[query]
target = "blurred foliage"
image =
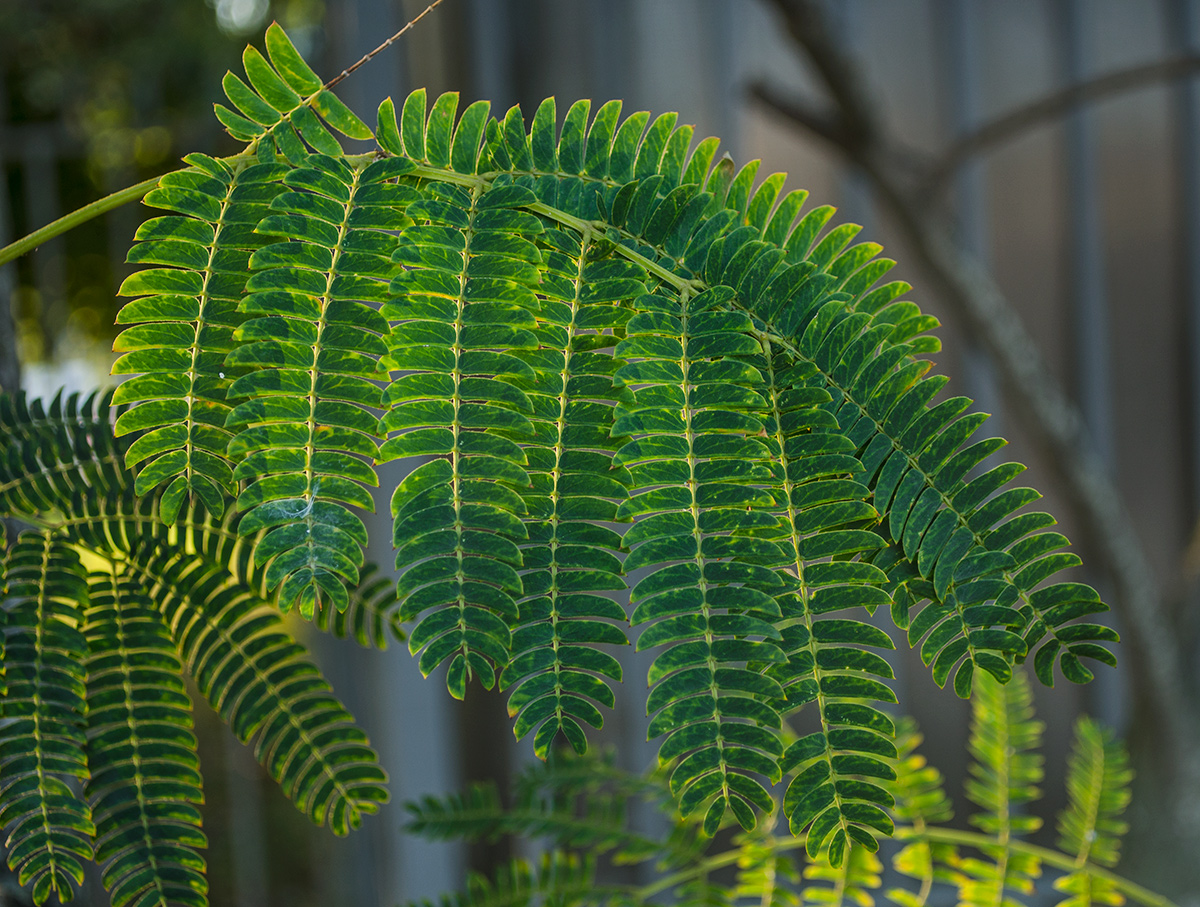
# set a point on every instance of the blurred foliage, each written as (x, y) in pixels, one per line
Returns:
(104, 93)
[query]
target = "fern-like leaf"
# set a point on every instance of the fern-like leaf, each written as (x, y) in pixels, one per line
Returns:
(464, 304)
(283, 107)
(144, 774)
(259, 680)
(708, 603)
(921, 801)
(1005, 771)
(1098, 777)
(764, 875)
(42, 757)
(835, 796)
(53, 454)
(556, 671)
(313, 346)
(183, 327)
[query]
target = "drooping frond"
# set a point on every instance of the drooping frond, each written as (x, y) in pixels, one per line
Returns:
(1005, 771)
(183, 322)
(1098, 777)
(464, 305)
(921, 801)
(49, 826)
(697, 467)
(143, 772)
(600, 825)
(835, 795)
(556, 673)
(313, 347)
(576, 328)
(258, 678)
(138, 767)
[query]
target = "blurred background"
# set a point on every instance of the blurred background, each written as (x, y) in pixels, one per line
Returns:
(1034, 166)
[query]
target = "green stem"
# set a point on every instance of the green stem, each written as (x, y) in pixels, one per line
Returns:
(932, 834)
(686, 875)
(75, 218)
(1050, 857)
(102, 206)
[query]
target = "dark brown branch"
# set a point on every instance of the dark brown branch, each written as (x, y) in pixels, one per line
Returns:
(1051, 108)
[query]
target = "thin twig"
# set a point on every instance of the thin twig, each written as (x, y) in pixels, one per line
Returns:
(135, 192)
(1052, 107)
(384, 46)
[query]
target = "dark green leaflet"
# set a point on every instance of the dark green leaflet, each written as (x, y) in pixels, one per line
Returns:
(184, 322)
(313, 346)
(42, 712)
(63, 465)
(277, 106)
(835, 795)
(144, 774)
(463, 305)
(260, 681)
(696, 465)
(556, 669)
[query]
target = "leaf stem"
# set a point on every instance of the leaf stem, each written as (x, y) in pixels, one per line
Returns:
(75, 218)
(1045, 854)
(103, 205)
(668, 882)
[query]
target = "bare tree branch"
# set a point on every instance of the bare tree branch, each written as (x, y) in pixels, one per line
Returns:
(1054, 421)
(1049, 109)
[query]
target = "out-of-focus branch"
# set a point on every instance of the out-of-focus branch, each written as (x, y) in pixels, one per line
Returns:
(1053, 419)
(853, 124)
(1049, 109)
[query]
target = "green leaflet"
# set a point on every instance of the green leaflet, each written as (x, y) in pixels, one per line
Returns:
(835, 795)
(304, 737)
(456, 309)
(141, 749)
(852, 878)
(1005, 773)
(49, 827)
(920, 801)
(1098, 777)
(555, 669)
(699, 690)
(188, 313)
(314, 348)
(276, 107)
